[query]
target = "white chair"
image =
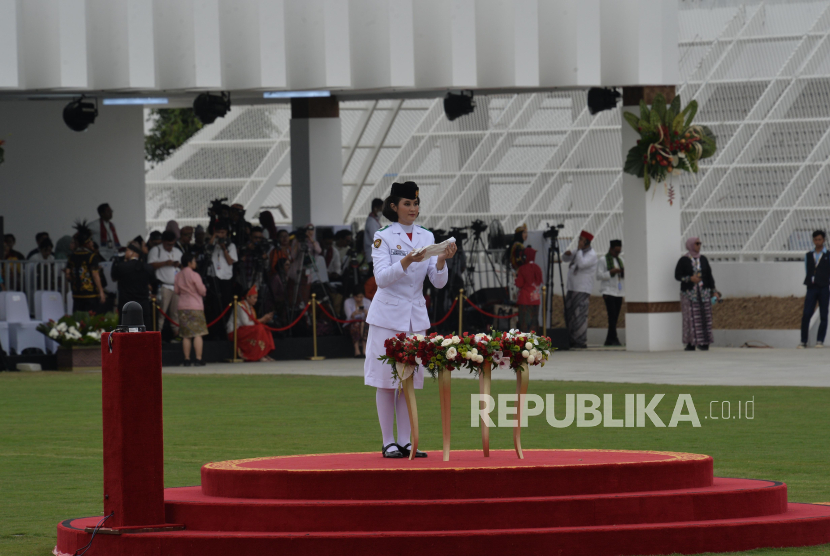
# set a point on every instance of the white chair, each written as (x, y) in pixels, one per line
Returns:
(49, 306)
(4, 336)
(14, 310)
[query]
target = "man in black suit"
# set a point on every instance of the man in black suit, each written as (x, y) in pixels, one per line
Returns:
(817, 264)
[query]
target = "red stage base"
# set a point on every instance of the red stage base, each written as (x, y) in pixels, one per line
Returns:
(563, 502)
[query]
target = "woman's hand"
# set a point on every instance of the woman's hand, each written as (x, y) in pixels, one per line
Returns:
(695, 279)
(449, 253)
(411, 258)
(266, 317)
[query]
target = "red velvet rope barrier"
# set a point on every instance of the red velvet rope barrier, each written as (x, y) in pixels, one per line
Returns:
(305, 310)
(174, 323)
(483, 312)
(454, 303)
(335, 319)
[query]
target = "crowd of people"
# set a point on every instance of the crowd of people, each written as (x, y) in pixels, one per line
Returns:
(194, 273)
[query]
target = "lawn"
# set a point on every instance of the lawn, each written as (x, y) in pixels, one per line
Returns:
(50, 445)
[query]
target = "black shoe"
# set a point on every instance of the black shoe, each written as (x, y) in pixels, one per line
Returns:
(198, 363)
(406, 451)
(689, 347)
(393, 455)
(358, 356)
(186, 363)
(703, 347)
(579, 346)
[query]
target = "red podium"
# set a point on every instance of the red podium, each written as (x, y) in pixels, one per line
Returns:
(133, 434)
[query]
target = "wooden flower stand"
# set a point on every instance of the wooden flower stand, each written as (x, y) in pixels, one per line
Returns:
(522, 377)
(446, 404)
(484, 390)
(408, 387)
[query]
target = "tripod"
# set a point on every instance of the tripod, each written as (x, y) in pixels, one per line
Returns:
(478, 243)
(554, 259)
(308, 260)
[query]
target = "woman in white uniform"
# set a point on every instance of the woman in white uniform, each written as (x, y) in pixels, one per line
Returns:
(399, 306)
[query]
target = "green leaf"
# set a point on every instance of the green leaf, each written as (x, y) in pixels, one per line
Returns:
(659, 106)
(675, 105)
(645, 113)
(655, 119)
(708, 141)
(677, 124)
(647, 181)
(646, 127)
(632, 120)
(690, 111)
(634, 162)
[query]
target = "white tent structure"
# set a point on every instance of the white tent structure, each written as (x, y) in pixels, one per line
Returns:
(760, 71)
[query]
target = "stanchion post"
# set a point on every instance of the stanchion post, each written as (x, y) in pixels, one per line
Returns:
(460, 311)
(235, 358)
(544, 311)
(155, 318)
(315, 357)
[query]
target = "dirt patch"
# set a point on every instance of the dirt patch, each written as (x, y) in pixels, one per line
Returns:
(742, 313)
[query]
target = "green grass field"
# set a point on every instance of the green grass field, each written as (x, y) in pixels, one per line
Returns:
(50, 444)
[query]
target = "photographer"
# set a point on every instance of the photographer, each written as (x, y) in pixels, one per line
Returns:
(356, 307)
(253, 265)
(303, 249)
(222, 255)
(134, 278)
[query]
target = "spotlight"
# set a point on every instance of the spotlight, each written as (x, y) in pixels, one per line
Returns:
(602, 99)
(456, 106)
(79, 113)
(208, 107)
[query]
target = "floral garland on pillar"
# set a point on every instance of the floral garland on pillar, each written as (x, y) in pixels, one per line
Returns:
(669, 143)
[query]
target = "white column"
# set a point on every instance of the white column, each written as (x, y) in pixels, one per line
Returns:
(651, 245)
(316, 162)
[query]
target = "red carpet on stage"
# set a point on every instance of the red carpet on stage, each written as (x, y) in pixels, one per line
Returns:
(563, 502)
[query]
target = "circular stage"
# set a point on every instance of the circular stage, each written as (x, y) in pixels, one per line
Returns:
(563, 502)
(542, 473)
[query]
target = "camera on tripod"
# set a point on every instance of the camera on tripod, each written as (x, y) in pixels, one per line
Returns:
(553, 231)
(458, 233)
(478, 227)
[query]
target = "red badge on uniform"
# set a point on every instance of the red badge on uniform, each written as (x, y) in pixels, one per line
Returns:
(377, 243)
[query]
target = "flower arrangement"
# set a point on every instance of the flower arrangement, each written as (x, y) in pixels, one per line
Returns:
(439, 353)
(80, 329)
(401, 351)
(669, 144)
(520, 348)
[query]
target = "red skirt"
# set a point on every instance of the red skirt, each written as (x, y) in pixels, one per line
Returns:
(255, 342)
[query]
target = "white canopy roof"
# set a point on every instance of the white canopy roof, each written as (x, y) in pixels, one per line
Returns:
(351, 47)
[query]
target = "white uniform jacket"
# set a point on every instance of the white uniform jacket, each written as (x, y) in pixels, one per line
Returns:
(581, 270)
(399, 302)
(610, 285)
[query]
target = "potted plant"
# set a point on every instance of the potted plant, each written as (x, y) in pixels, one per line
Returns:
(79, 338)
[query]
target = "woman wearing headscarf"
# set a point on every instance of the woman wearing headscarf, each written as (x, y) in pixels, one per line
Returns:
(697, 292)
(64, 248)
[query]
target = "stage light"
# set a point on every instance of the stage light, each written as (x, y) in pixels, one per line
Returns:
(208, 107)
(456, 106)
(296, 94)
(78, 114)
(602, 99)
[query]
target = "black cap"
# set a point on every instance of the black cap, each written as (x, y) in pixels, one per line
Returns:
(616, 243)
(406, 190)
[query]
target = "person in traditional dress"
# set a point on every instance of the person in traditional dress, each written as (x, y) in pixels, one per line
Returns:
(83, 272)
(697, 290)
(529, 282)
(582, 270)
(190, 290)
(253, 339)
(399, 306)
(611, 273)
(515, 253)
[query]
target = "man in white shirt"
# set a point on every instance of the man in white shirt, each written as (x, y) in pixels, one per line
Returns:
(104, 234)
(166, 259)
(372, 226)
(611, 273)
(223, 255)
(581, 272)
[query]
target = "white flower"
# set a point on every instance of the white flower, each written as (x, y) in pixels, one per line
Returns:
(531, 360)
(54, 333)
(479, 359)
(468, 355)
(534, 353)
(478, 337)
(456, 340)
(62, 326)
(535, 342)
(547, 353)
(525, 354)
(419, 337)
(446, 342)
(451, 353)
(528, 346)
(474, 351)
(438, 338)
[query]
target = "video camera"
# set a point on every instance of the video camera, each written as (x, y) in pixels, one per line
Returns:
(458, 233)
(478, 227)
(553, 231)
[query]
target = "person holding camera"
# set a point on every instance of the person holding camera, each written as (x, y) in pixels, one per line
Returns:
(166, 259)
(223, 255)
(356, 307)
(303, 251)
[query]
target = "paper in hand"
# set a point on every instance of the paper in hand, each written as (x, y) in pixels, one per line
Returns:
(435, 249)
